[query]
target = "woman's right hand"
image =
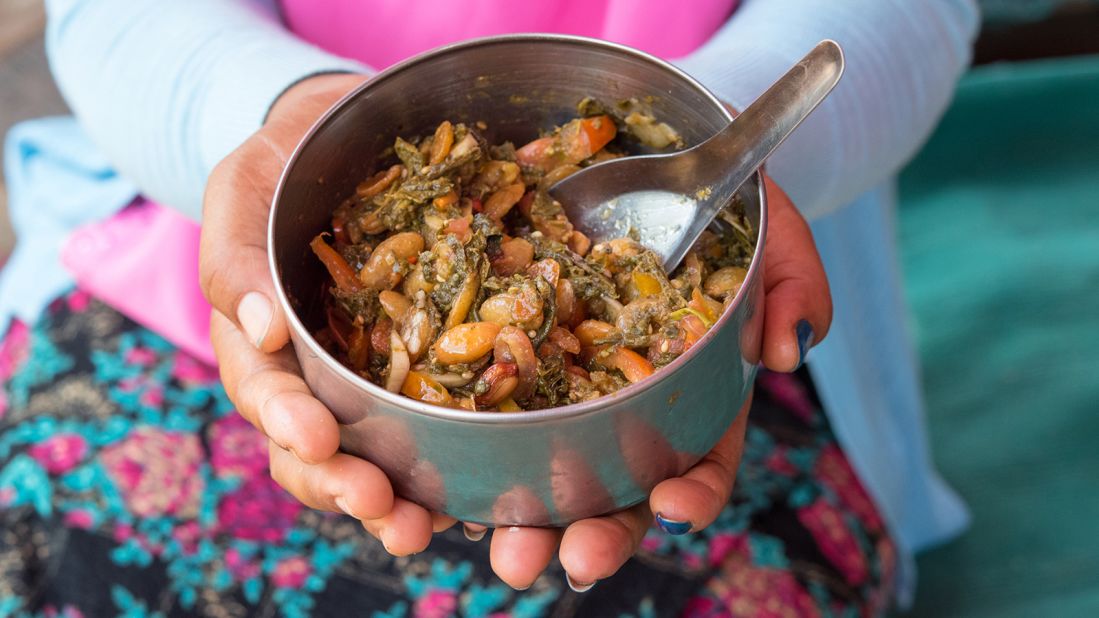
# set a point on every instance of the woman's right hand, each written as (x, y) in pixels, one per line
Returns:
(260, 373)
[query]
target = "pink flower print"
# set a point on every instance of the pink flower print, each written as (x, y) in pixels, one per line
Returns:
(3, 404)
(748, 590)
(835, 472)
(157, 472)
(789, 393)
(153, 397)
(237, 448)
(139, 355)
(292, 572)
(778, 462)
(60, 453)
(259, 510)
(240, 567)
(723, 545)
(79, 519)
(436, 604)
(188, 370)
(703, 607)
(79, 301)
(835, 540)
(187, 535)
(13, 349)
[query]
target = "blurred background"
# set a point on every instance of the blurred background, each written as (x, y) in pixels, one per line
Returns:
(999, 230)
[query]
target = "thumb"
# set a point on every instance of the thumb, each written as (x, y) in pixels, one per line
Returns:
(233, 255)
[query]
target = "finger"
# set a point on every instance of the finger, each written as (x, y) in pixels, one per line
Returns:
(441, 522)
(695, 499)
(474, 532)
(405, 530)
(798, 302)
(342, 483)
(269, 392)
(519, 555)
(594, 549)
(233, 248)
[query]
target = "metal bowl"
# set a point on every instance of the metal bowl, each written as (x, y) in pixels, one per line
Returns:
(540, 468)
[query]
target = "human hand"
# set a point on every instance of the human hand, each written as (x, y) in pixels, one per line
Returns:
(250, 333)
(264, 380)
(798, 313)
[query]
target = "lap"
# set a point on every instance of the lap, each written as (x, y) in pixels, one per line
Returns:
(129, 485)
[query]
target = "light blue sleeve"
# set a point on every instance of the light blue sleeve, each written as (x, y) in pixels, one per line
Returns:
(903, 59)
(167, 88)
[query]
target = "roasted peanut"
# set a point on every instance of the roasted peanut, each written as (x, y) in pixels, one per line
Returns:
(513, 346)
(497, 383)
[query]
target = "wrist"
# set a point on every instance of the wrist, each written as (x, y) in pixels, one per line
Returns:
(328, 86)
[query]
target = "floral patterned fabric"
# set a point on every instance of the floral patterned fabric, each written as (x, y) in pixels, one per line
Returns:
(129, 487)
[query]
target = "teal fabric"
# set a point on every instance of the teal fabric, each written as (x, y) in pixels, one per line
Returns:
(999, 229)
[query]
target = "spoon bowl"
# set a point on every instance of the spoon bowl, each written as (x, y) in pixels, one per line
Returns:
(669, 199)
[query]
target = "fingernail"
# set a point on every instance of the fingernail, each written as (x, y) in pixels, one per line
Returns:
(473, 534)
(805, 341)
(577, 587)
(672, 526)
(341, 503)
(254, 314)
(527, 587)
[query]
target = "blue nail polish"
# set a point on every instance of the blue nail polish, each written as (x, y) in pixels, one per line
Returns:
(671, 526)
(805, 341)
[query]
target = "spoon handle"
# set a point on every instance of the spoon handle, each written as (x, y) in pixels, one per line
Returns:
(730, 157)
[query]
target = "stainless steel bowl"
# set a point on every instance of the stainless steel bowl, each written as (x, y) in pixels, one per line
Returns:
(540, 468)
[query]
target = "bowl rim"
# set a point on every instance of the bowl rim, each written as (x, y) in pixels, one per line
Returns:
(528, 416)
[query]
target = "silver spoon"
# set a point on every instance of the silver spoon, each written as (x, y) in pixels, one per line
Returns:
(669, 199)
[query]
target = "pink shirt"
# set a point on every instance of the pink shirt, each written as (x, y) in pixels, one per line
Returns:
(151, 248)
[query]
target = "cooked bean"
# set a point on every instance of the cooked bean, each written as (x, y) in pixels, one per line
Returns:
(725, 281)
(579, 243)
(465, 343)
(378, 182)
(422, 387)
(417, 331)
(441, 143)
(497, 174)
(499, 203)
(379, 336)
(382, 269)
(522, 308)
(547, 269)
(394, 304)
(415, 282)
(463, 302)
(514, 255)
(566, 302)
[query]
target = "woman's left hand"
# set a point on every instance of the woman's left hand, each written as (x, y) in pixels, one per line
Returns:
(797, 315)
